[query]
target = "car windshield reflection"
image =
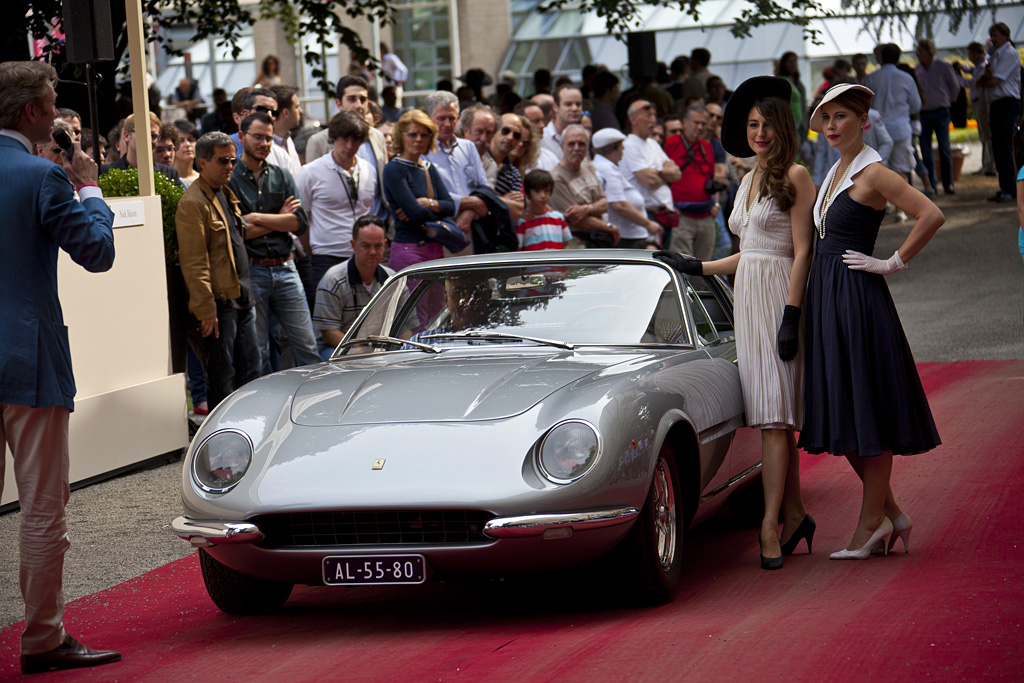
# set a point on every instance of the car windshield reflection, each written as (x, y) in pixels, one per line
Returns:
(560, 304)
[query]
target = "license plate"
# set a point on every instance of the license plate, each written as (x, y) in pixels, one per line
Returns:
(361, 570)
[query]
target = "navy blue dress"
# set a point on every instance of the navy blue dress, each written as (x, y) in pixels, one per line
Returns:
(862, 392)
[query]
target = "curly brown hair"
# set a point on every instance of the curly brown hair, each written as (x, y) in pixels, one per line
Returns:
(775, 180)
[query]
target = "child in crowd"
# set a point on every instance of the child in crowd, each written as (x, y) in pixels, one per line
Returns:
(541, 227)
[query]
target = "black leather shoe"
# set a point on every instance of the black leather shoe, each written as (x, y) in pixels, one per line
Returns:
(1003, 198)
(71, 654)
(949, 190)
(769, 563)
(804, 530)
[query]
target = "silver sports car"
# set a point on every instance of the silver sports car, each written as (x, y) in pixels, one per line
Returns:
(484, 415)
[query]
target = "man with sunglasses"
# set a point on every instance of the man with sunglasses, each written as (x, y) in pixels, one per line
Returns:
(273, 214)
(502, 175)
(215, 266)
(130, 159)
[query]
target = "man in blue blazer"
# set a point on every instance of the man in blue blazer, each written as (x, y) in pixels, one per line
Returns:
(37, 388)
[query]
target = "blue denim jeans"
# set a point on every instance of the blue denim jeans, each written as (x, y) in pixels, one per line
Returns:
(233, 358)
(279, 289)
(937, 122)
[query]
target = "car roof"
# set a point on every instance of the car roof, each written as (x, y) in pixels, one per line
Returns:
(540, 257)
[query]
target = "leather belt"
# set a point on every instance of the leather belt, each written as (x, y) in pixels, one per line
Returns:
(268, 262)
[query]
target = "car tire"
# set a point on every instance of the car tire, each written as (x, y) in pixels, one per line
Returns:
(650, 556)
(236, 593)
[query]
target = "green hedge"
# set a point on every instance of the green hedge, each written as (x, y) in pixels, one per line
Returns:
(125, 183)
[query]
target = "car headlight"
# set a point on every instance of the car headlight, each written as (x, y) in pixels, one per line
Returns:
(568, 451)
(221, 460)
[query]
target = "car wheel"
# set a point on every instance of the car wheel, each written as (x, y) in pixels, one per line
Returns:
(236, 593)
(650, 554)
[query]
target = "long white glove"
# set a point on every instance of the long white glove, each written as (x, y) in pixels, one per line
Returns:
(858, 261)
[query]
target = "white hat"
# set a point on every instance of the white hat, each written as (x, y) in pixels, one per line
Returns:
(830, 94)
(607, 136)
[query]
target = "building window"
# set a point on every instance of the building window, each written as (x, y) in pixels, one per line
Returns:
(423, 41)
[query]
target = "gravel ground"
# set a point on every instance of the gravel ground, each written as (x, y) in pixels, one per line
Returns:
(961, 299)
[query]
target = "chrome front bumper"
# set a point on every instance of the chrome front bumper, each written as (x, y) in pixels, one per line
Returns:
(557, 525)
(203, 534)
(207, 533)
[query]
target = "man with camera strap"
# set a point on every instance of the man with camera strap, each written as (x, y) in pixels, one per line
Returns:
(694, 193)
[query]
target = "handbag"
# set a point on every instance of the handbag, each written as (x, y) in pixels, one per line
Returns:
(444, 231)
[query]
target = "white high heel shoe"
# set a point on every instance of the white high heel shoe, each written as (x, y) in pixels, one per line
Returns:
(901, 527)
(881, 535)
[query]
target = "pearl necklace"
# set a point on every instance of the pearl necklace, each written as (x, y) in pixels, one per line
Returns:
(748, 208)
(829, 197)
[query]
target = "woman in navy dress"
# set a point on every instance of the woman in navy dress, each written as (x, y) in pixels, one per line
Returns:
(863, 397)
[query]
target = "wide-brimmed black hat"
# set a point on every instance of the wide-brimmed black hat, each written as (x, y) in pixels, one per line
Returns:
(734, 123)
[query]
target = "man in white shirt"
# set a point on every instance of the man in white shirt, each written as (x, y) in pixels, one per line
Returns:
(568, 111)
(644, 161)
(896, 98)
(456, 160)
(353, 95)
(336, 189)
(289, 111)
(1002, 77)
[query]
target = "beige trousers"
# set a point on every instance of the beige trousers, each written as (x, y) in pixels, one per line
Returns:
(694, 236)
(38, 438)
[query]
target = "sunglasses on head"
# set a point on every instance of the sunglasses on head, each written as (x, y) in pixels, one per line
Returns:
(264, 109)
(226, 161)
(515, 133)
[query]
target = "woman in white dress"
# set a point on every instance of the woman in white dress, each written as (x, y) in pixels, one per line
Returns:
(772, 217)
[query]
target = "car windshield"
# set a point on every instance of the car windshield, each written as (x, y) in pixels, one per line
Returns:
(565, 303)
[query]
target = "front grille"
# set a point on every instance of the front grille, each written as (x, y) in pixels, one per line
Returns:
(372, 527)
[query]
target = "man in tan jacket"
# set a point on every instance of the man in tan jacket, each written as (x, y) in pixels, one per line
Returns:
(216, 270)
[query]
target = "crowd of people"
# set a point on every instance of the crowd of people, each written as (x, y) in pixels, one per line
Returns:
(273, 267)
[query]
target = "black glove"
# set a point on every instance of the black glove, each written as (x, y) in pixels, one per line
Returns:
(789, 333)
(683, 264)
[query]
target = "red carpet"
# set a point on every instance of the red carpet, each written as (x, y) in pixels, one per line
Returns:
(952, 609)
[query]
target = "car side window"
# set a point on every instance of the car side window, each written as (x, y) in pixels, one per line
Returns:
(667, 325)
(706, 330)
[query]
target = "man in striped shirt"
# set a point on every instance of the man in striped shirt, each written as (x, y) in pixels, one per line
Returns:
(346, 288)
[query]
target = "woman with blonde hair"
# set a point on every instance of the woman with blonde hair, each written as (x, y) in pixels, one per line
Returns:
(864, 399)
(527, 149)
(773, 220)
(414, 190)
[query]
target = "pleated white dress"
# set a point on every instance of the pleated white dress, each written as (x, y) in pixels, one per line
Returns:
(772, 388)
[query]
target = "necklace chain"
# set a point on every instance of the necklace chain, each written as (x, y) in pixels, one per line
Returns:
(830, 196)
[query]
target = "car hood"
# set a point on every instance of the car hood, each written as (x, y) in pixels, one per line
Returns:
(402, 387)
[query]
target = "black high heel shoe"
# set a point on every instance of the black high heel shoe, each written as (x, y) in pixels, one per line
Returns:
(768, 562)
(805, 530)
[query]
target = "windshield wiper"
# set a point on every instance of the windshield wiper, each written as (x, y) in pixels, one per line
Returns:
(499, 335)
(380, 340)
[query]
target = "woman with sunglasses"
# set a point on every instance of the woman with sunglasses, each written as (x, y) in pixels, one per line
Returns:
(864, 399)
(526, 150)
(773, 220)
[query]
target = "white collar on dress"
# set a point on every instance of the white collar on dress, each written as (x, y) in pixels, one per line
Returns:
(866, 157)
